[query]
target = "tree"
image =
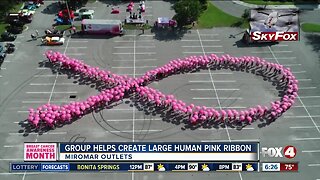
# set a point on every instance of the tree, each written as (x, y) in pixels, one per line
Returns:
(204, 4)
(187, 11)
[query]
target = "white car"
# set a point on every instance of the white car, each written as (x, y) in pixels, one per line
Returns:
(84, 13)
(51, 41)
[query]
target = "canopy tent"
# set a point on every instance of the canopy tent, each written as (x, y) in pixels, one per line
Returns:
(165, 22)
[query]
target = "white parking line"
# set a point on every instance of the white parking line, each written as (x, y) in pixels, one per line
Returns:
(289, 65)
(136, 60)
(282, 58)
(306, 97)
(232, 107)
(313, 164)
(12, 146)
(131, 41)
(22, 111)
(50, 84)
(51, 75)
(208, 98)
(221, 81)
(128, 67)
(245, 128)
(303, 127)
(196, 40)
(3, 68)
(36, 102)
(124, 120)
(214, 73)
(216, 89)
(67, 92)
(43, 68)
(130, 47)
(300, 88)
(311, 106)
(114, 109)
(217, 52)
(311, 151)
(209, 34)
(75, 54)
(299, 72)
(300, 116)
(306, 139)
(304, 79)
(203, 46)
(136, 130)
(136, 53)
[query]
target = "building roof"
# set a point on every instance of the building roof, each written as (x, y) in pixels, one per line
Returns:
(100, 21)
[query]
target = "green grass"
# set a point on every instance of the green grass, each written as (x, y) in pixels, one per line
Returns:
(16, 8)
(264, 2)
(214, 17)
(310, 27)
(133, 26)
(66, 27)
(3, 24)
(279, 2)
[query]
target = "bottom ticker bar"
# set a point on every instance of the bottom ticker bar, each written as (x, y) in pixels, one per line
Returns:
(138, 167)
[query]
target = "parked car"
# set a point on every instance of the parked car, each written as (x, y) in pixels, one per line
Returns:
(6, 36)
(29, 6)
(3, 53)
(17, 22)
(84, 13)
(51, 41)
(15, 29)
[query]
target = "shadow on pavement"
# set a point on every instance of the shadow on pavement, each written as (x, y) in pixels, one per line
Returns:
(314, 41)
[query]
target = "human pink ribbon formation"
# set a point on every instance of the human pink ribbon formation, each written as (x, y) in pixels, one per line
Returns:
(122, 86)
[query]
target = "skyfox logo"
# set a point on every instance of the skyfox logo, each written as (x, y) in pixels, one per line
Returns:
(289, 152)
(274, 36)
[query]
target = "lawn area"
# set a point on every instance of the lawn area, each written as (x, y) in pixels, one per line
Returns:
(66, 27)
(132, 27)
(3, 24)
(264, 2)
(310, 27)
(214, 17)
(279, 2)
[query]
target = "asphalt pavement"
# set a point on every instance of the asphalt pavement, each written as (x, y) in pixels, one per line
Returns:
(27, 80)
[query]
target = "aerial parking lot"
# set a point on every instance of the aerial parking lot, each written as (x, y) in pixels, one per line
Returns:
(29, 80)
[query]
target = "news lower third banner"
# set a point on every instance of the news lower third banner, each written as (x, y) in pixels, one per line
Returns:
(138, 167)
(142, 151)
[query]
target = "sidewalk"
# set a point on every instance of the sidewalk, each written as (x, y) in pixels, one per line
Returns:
(302, 6)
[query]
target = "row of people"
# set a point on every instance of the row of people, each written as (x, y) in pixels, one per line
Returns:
(123, 86)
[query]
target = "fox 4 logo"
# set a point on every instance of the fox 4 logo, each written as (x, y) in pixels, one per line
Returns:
(288, 152)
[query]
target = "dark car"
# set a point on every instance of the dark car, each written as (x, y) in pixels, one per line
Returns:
(3, 53)
(12, 17)
(6, 36)
(26, 19)
(15, 29)
(17, 22)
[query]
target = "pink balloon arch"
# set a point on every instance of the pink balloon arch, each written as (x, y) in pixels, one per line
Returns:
(50, 115)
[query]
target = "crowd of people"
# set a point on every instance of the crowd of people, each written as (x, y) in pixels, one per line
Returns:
(120, 87)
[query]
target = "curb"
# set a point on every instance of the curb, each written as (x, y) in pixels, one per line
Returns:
(303, 6)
